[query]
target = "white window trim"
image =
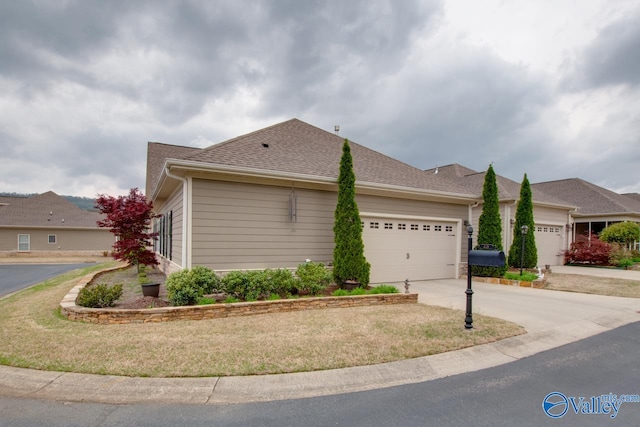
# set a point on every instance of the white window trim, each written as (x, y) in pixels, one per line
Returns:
(55, 239)
(28, 242)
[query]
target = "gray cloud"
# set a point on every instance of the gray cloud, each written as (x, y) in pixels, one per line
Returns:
(84, 85)
(613, 58)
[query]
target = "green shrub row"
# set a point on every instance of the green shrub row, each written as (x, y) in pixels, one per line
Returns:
(186, 287)
(253, 285)
(99, 296)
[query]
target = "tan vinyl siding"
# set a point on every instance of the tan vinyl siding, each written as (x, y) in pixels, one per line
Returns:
(66, 239)
(244, 226)
(543, 215)
(410, 207)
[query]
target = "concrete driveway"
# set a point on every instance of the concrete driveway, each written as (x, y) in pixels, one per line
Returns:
(535, 309)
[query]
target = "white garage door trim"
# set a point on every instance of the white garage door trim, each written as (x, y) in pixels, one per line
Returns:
(456, 223)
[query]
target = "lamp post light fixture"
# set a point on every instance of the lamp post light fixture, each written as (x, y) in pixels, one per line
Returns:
(523, 230)
(468, 321)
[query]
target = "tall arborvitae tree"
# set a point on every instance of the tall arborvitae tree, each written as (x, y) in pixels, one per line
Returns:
(349, 263)
(490, 226)
(524, 216)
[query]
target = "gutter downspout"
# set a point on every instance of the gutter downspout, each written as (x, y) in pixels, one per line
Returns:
(186, 218)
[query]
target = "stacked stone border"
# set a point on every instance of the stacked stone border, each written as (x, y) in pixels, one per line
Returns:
(69, 309)
(538, 284)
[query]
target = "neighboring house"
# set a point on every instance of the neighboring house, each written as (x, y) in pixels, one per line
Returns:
(597, 207)
(49, 223)
(267, 200)
(550, 214)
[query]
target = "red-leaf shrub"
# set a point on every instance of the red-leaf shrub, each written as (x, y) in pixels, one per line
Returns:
(129, 218)
(588, 250)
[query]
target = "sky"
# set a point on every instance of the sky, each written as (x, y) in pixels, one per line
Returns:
(550, 88)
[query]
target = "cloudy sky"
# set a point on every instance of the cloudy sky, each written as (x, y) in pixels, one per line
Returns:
(546, 87)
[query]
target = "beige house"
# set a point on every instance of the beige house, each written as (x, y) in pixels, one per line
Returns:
(267, 200)
(49, 223)
(596, 207)
(550, 214)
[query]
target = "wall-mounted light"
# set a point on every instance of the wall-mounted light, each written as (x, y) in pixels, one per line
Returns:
(293, 206)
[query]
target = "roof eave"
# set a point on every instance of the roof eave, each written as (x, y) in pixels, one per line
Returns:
(184, 167)
(582, 215)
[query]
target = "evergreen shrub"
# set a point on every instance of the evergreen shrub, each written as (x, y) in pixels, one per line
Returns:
(99, 296)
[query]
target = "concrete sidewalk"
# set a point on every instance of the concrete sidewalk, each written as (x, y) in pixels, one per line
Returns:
(551, 318)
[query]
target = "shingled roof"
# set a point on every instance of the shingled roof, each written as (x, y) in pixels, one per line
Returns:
(297, 147)
(507, 189)
(157, 153)
(589, 198)
(634, 196)
(45, 210)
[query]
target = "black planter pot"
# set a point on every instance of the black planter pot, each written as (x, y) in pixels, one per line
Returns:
(350, 285)
(151, 290)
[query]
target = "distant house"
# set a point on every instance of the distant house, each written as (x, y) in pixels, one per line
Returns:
(49, 223)
(267, 199)
(550, 214)
(596, 207)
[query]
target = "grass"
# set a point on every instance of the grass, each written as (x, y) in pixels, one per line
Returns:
(527, 277)
(593, 285)
(34, 335)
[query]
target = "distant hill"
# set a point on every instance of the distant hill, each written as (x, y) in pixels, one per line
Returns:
(86, 203)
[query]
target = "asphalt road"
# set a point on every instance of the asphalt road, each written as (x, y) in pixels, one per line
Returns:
(506, 395)
(14, 277)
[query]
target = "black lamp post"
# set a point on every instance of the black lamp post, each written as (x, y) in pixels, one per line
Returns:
(468, 320)
(523, 230)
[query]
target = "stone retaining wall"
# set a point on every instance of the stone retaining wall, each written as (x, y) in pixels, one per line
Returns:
(501, 281)
(215, 311)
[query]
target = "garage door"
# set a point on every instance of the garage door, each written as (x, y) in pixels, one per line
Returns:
(400, 249)
(549, 244)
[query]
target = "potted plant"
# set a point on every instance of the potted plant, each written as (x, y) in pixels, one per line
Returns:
(148, 289)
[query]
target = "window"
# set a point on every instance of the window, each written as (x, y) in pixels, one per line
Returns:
(374, 225)
(414, 226)
(426, 228)
(449, 228)
(24, 242)
(388, 226)
(52, 239)
(164, 228)
(437, 228)
(402, 226)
